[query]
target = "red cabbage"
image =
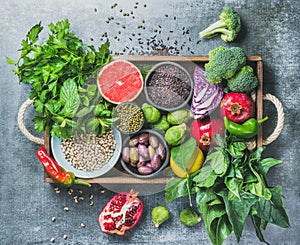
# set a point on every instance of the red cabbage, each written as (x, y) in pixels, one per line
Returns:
(206, 97)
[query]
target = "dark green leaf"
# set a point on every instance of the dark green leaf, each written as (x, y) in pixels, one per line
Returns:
(234, 185)
(236, 149)
(69, 98)
(85, 111)
(257, 223)
(175, 188)
(38, 106)
(32, 35)
(272, 210)
(206, 177)
(183, 153)
(40, 123)
(265, 164)
(238, 210)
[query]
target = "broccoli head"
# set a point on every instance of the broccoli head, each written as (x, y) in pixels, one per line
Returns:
(228, 25)
(243, 81)
(224, 63)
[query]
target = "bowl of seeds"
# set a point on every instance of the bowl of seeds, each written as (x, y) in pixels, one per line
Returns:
(129, 118)
(88, 155)
(168, 86)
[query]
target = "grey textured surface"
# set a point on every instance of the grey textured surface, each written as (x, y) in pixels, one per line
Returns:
(270, 29)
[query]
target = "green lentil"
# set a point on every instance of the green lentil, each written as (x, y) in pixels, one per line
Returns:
(130, 116)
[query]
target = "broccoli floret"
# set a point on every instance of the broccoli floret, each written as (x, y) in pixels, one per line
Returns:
(243, 81)
(224, 63)
(228, 26)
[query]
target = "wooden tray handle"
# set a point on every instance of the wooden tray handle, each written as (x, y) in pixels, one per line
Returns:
(22, 126)
(274, 135)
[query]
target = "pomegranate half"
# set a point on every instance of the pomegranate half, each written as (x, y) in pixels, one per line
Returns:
(121, 213)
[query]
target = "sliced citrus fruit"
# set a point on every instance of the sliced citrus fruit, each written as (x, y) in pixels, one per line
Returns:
(120, 81)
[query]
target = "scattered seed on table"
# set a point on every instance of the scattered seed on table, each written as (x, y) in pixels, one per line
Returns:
(166, 15)
(91, 203)
(53, 219)
(82, 225)
(66, 209)
(91, 196)
(65, 237)
(81, 198)
(145, 5)
(95, 10)
(70, 191)
(80, 191)
(102, 191)
(52, 240)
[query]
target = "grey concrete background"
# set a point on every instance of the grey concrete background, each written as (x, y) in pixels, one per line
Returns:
(270, 29)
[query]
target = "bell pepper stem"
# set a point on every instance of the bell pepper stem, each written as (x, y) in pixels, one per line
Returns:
(78, 182)
(262, 120)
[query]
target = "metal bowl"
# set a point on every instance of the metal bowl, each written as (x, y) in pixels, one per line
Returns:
(132, 170)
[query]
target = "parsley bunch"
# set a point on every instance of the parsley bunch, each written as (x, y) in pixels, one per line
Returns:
(57, 70)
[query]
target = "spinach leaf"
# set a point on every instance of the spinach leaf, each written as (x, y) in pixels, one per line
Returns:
(238, 210)
(258, 224)
(206, 177)
(265, 164)
(177, 187)
(272, 210)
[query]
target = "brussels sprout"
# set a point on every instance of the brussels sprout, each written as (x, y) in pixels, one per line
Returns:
(176, 134)
(179, 116)
(189, 217)
(151, 113)
(162, 124)
(159, 215)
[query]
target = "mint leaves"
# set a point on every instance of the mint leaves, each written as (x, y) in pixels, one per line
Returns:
(57, 70)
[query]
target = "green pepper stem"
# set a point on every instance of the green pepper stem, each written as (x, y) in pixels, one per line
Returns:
(78, 182)
(262, 120)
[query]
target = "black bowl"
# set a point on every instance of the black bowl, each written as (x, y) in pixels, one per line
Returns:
(133, 170)
(161, 92)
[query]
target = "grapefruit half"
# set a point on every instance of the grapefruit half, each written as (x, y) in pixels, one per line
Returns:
(120, 81)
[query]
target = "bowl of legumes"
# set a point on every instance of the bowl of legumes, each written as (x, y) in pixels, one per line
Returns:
(168, 86)
(144, 154)
(88, 155)
(129, 118)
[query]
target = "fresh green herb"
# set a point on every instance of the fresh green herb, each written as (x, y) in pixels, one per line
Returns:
(231, 186)
(57, 70)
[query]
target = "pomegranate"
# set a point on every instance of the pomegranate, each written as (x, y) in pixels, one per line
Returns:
(121, 213)
(237, 107)
(204, 130)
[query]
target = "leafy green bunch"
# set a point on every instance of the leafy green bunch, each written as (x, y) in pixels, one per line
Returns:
(57, 70)
(231, 186)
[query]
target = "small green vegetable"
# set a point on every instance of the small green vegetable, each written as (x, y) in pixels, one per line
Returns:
(175, 134)
(179, 116)
(229, 25)
(189, 217)
(224, 63)
(162, 124)
(246, 130)
(243, 81)
(151, 113)
(160, 214)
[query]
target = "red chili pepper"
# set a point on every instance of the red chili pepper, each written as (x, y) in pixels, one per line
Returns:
(56, 172)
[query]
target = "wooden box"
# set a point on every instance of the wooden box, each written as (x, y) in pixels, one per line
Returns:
(117, 175)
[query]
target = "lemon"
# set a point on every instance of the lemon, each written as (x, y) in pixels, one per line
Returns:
(193, 165)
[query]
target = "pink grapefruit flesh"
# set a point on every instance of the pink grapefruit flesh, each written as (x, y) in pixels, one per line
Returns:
(120, 81)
